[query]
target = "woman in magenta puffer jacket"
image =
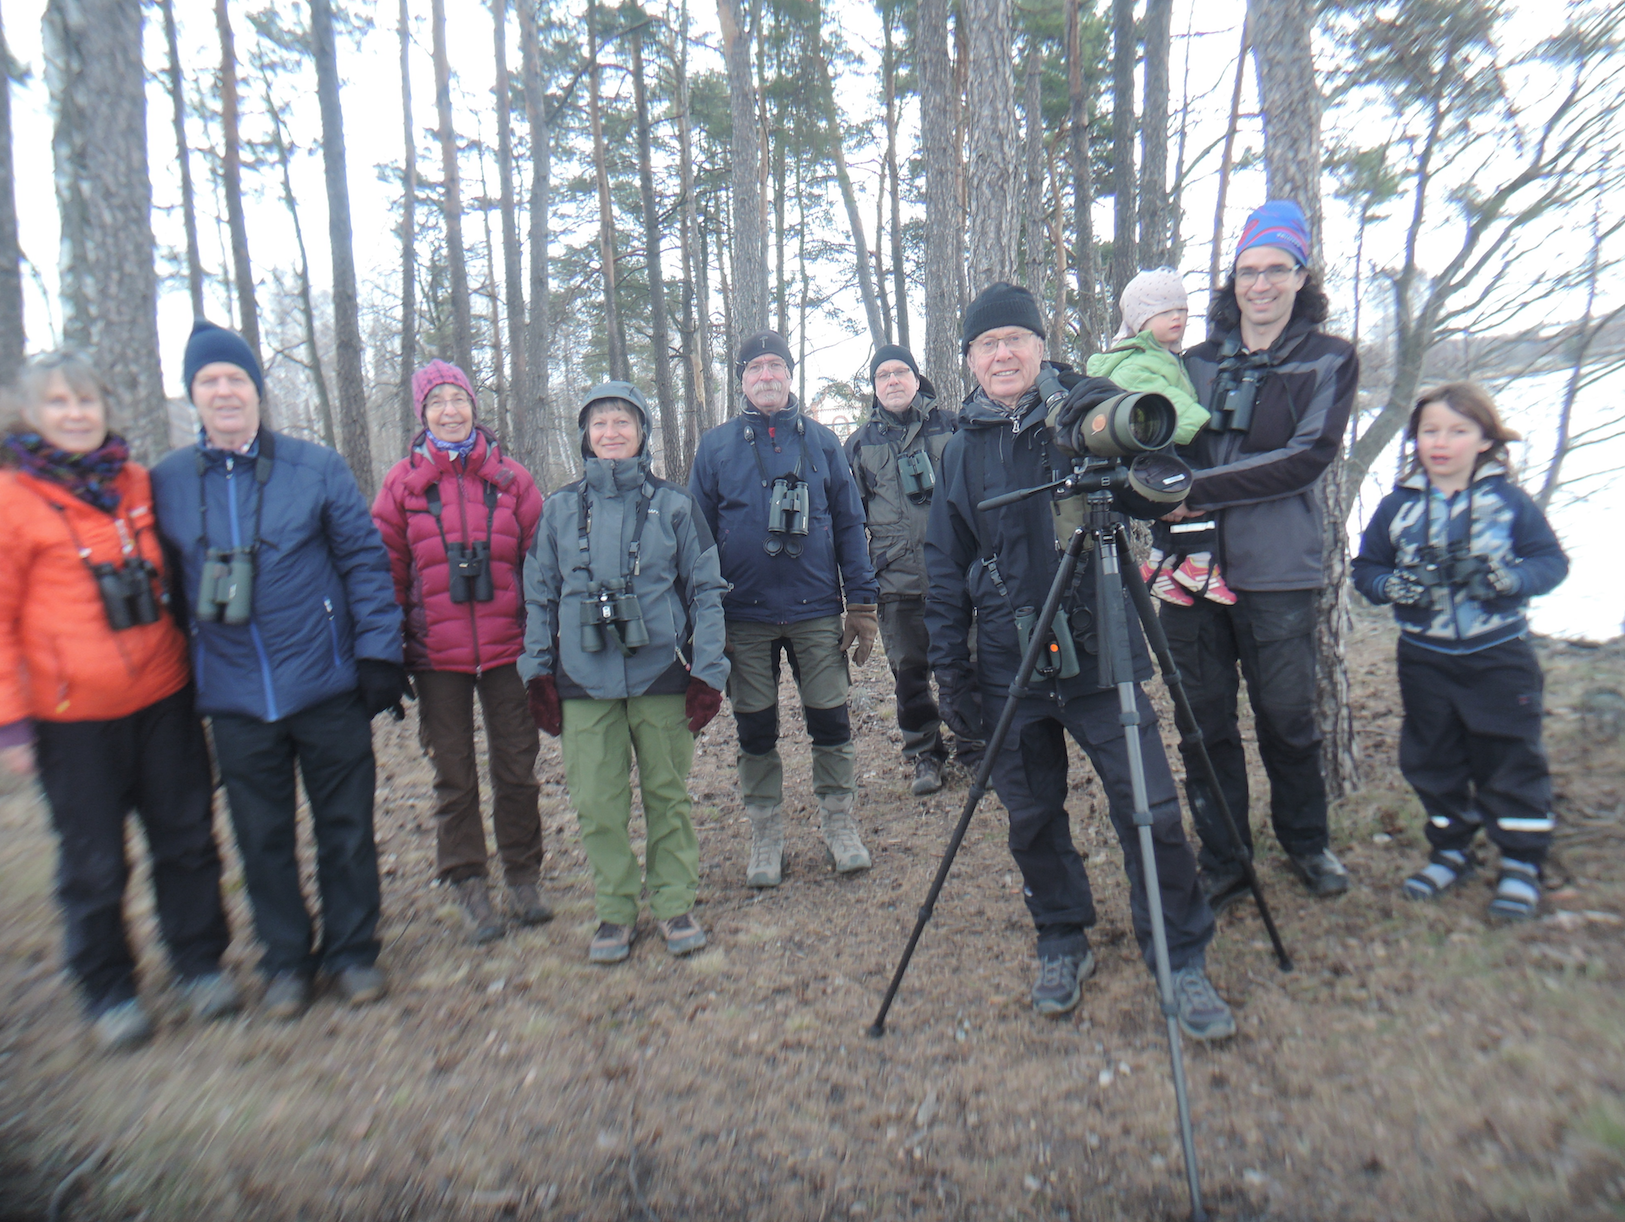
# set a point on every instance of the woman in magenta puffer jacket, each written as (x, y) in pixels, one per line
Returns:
(458, 516)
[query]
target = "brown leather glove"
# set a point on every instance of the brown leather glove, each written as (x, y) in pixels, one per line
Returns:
(861, 625)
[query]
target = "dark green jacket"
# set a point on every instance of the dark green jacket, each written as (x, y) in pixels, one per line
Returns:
(896, 522)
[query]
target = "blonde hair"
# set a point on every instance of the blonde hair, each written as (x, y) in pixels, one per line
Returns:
(1471, 400)
(28, 387)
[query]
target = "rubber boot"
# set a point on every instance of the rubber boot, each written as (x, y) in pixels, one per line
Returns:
(766, 845)
(840, 831)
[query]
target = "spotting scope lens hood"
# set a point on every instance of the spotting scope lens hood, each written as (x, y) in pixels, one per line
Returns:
(1162, 479)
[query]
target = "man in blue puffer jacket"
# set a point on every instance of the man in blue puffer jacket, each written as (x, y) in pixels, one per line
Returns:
(788, 569)
(296, 645)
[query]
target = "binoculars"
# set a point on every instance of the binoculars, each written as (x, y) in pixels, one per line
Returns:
(126, 591)
(917, 477)
(225, 591)
(1060, 659)
(1454, 565)
(610, 611)
(470, 572)
(788, 511)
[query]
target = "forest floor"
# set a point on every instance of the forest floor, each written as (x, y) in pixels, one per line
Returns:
(1418, 1064)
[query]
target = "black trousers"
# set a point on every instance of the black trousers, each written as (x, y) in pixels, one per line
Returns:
(156, 763)
(331, 743)
(1471, 746)
(1270, 637)
(1030, 778)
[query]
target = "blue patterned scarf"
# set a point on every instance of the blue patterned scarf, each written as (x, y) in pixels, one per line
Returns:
(88, 476)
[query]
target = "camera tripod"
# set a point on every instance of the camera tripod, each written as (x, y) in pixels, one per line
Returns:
(1115, 569)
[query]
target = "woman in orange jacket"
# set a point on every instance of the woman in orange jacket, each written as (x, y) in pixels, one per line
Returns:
(96, 697)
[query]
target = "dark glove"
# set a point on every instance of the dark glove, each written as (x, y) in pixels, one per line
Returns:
(1082, 397)
(382, 685)
(1496, 579)
(953, 687)
(1401, 588)
(701, 704)
(542, 695)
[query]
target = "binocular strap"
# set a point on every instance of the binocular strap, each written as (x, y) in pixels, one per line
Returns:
(634, 556)
(130, 546)
(431, 496)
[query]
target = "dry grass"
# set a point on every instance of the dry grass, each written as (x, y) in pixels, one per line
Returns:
(1418, 1065)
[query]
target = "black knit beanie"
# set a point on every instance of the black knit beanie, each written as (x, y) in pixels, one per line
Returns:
(763, 343)
(1000, 305)
(892, 352)
(210, 344)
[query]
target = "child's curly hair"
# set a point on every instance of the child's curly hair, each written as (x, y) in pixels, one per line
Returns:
(1471, 400)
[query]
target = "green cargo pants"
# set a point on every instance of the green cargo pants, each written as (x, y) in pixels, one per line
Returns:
(820, 672)
(601, 739)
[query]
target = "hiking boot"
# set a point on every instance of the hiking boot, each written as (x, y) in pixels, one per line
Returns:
(927, 776)
(840, 831)
(122, 1027)
(612, 943)
(213, 996)
(361, 986)
(683, 934)
(481, 918)
(1321, 872)
(1444, 870)
(766, 867)
(1059, 986)
(1202, 1012)
(1222, 886)
(287, 996)
(1517, 891)
(526, 903)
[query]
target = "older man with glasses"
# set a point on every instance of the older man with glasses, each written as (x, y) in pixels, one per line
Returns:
(780, 500)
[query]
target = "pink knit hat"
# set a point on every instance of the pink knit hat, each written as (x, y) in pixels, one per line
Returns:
(1147, 295)
(439, 373)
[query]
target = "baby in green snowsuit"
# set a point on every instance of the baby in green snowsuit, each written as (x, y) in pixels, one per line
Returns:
(1144, 356)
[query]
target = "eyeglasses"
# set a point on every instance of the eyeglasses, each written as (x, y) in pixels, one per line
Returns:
(455, 398)
(892, 375)
(771, 364)
(1276, 274)
(987, 346)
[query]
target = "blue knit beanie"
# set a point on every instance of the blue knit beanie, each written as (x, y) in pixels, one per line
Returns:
(209, 344)
(1279, 223)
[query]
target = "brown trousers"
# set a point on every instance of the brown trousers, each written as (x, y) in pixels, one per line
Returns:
(446, 730)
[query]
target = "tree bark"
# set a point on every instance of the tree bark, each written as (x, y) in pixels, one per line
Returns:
(1090, 329)
(109, 287)
(1227, 160)
(944, 218)
(898, 267)
(11, 255)
(748, 296)
(671, 427)
(991, 135)
(409, 237)
(615, 335)
(535, 409)
(355, 442)
(854, 220)
(183, 156)
(1153, 249)
(697, 386)
(451, 207)
(1034, 266)
(1125, 250)
(231, 176)
(513, 273)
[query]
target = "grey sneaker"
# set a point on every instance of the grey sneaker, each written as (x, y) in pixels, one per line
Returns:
(683, 934)
(611, 944)
(1059, 986)
(1202, 1012)
(483, 923)
(1321, 872)
(213, 996)
(526, 903)
(927, 776)
(361, 986)
(287, 996)
(122, 1027)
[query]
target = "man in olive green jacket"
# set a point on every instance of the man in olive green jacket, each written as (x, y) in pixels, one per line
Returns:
(895, 455)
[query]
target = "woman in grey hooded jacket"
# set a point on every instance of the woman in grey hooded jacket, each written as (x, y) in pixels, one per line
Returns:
(624, 658)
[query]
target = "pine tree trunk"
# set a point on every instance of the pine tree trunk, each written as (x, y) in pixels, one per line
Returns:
(944, 218)
(1090, 329)
(183, 156)
(11, 255)
(671, 427)
(231, 177)
(355, 441)
(535, 410)
(1227, 160)
(898, 267)
(513, 272)
(324, 402)
(1034, 265)
(409, 235)
(451, 203)
(615, 335)
(748, 297)
(991, 203)
(499, 381)
(1154, 135)
(109, 288)
(854, 220)
(1125, 252)
(1057, 245)
(697, 389)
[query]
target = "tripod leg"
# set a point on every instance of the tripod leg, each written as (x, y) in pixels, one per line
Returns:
(995, 743)
(1190, 737)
